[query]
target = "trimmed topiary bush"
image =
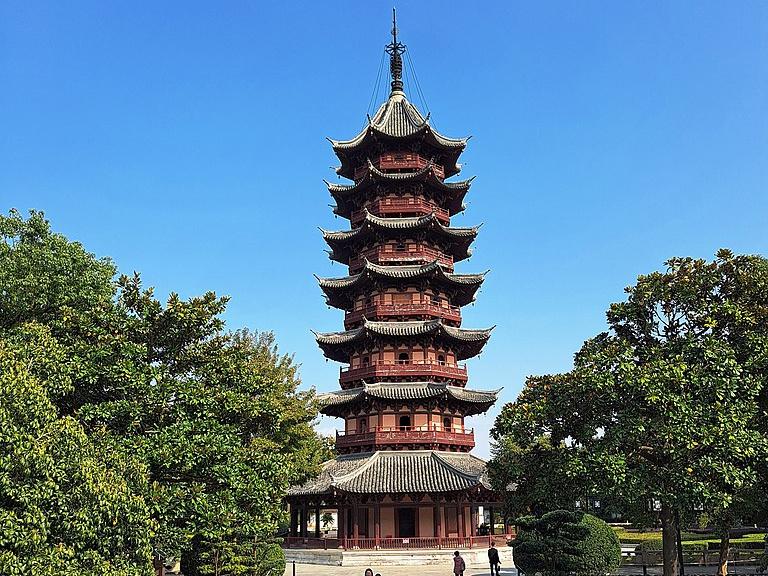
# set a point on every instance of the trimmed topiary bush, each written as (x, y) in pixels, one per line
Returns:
(601, 551)
(563, 542)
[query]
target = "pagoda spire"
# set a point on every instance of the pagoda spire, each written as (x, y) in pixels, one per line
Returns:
(395, 50)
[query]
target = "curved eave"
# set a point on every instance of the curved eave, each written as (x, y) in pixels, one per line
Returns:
(340, 291)
(454, 192)
(466, 343)
(457, 240)
(471, 402)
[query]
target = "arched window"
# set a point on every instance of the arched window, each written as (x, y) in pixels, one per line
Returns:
(366, 360)
(447, 422)
(405, 422)
(403, 358)
(362, 427)
(441, 359)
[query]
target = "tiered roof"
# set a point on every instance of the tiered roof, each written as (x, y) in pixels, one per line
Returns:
(341, 292)
(398, 472)
(466, 343)
(456, 241)
(452, 193)
(473, 402)
(397, 119)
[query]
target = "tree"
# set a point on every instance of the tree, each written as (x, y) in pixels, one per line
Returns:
(66, 507)
(666, 406)
(215, 417)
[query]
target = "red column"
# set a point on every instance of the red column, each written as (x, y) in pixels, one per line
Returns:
(473, 519)
(462, 522)
(341, 528)
(377, 523)
(355, 519)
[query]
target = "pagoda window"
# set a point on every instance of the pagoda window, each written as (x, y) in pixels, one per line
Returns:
(441, 359)
(403, 358)
(405, 422)
(366, 360)
(400, 247)
(368, 301)
(363, 426)
(447, 423)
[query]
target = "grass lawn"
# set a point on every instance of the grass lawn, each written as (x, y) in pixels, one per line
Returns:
(627, 537)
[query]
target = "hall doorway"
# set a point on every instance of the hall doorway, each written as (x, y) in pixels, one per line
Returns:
(406, 522)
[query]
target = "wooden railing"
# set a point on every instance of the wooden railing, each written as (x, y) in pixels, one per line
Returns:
(430, 542)
(411, 254)
(377, 310)
(400, 161)
(404, 205)
(421, 368)
(393, 435)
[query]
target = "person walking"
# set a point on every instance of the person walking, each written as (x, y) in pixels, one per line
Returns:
(458, 564)
(493, 559)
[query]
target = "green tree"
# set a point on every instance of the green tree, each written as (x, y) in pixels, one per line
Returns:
(215, 417)
(666, 406)
(66, 507)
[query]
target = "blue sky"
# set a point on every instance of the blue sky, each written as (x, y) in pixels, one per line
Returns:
(186, 140)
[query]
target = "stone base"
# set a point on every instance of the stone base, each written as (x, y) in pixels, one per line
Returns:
(392, 557)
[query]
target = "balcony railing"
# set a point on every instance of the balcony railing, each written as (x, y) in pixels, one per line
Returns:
(380, 310)
(404, 368)
(411, 253)
(395, 435)
(406, 206)
(350, 543)
(400, 161)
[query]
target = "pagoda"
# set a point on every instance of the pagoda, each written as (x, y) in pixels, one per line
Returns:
(404, 473)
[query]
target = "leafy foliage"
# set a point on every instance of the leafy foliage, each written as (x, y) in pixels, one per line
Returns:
(65, 506)
(670, 405)
(214, 418)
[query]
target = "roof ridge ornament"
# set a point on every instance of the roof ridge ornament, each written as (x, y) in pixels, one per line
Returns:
(395, 50)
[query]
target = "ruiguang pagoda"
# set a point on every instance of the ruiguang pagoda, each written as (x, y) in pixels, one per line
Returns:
(404, 475)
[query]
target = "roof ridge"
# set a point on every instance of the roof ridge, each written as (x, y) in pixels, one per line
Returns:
(356, 472)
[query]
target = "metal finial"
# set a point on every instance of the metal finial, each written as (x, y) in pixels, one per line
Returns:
(395, 50)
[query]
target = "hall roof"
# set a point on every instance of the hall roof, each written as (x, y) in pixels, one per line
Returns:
(467, 343)
(473, 401)
(397, 119)
(339, 292)
(398, 472)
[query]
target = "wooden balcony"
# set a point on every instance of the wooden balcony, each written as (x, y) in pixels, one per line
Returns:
(400, 162)
(375, 438)
(409, 254)
(380, 311)
(412, 370)
(402, 206)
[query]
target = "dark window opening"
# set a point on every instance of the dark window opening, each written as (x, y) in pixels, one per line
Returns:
(405, 422)
(403, 358)
(447, 423)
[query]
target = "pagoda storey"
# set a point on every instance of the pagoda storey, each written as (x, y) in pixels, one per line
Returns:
(404, 475)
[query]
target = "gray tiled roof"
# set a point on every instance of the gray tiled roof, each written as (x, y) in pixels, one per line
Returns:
(407, 223)
(474, 401)
(401, 472)
(337, 290)
(467, 343)
(375, 175)
(398, 118)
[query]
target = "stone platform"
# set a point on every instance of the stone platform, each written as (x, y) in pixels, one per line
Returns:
(405, 557)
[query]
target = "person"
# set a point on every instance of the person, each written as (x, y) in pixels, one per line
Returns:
(493, 558)
(458, 564)
(368, 572)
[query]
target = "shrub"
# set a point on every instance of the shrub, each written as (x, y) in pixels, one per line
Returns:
(562, 542)
(270, 559)
(601, 551)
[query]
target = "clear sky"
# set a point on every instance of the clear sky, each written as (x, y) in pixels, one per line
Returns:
(186, 140)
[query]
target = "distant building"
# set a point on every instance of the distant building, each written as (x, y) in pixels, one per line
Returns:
(404, 468)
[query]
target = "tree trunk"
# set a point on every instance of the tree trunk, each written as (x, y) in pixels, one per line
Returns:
(190, 560)
(725, 545)
(669, 541)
